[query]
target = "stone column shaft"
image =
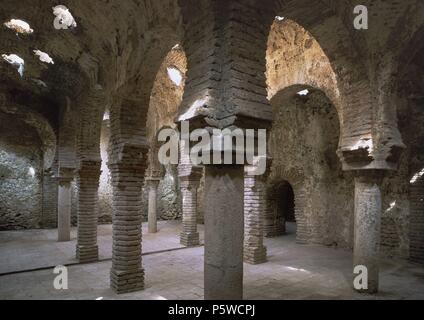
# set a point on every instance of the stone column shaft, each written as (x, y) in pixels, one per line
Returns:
(367, 221)
(152, 206)
(223, 271)
(88, 176)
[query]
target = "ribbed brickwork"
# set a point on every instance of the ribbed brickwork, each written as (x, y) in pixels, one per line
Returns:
(128, 152)
(254, 211)
(49, 217)
(67, 136)
(300, 197)
(225, 43)
(417, 221)
(87, 183)
(189, 176)
(189, 234)
(389, 236)
(127, 274)
(91, 107)
(225, 46)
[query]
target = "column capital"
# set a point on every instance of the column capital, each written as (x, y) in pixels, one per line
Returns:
(154, 173)
(252, 168)
(370, 176)
(65, 176)
(190, 173)
(152, 182)
(129, 154)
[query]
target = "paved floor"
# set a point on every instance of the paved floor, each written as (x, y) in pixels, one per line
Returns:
(293, 272)
(33, 249)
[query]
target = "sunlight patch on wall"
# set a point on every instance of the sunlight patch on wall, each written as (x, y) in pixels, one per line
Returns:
(31, 172)
(391, 206)
(417, 176)
(192, 111)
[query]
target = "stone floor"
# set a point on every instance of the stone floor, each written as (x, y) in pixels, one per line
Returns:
(33, 249)
(293, 271)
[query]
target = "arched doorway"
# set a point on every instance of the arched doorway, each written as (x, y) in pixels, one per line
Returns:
(285, 207)
(280, 217)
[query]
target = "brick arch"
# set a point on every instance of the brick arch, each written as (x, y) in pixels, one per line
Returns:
(295, 57)
(273, 222)
(309, 162)
(41, 126)
(165, 100)
(410, 88)
(128, 152)
(327, 26)
(402, 43)
(131, 101)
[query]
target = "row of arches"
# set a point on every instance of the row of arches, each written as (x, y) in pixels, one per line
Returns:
(329, 113)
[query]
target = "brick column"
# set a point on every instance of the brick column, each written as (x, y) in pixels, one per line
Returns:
(152, 184)
(189, 176)
(189, 184)
(127, 273)
(416, 229)
(88, 175)
(255, 204)
(64, 205)
(367, 221)
(50, 200)
(302, 225)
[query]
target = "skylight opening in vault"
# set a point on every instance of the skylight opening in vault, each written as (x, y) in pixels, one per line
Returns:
(19, 26)
(64, 18)
(303, 92)
(175, 75)
(16, 61)
(44, 57)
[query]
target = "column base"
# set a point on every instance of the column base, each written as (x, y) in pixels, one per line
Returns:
(372, 265)
(87, 253)
(127, 281)
(370, 290)
(64, 237)
(152, 229)
(189, 239)
(372, 287)
(274, 233)
(255, 255)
